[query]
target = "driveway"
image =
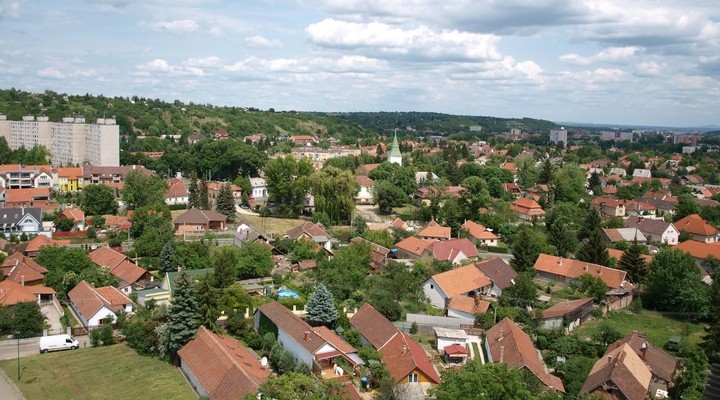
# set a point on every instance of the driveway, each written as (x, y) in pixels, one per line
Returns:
(8, 388)
(368, 212)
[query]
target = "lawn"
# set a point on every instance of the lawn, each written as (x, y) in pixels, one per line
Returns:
(658, 327)
(114, 372)
(275, 226)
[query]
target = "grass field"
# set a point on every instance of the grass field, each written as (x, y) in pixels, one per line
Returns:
(114, 372)
(275, 226)
(657, 326)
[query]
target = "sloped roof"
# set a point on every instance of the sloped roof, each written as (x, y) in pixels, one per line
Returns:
(364, 181)
(461, 280)
(518, 352)
(176, 188)
(613, 278)
(291, 324)
(25, 195)
(106, 257)
(309, 229)
(222, 365)
(525, 202)
(647, 225)
(498, 271)
(335, 340)
(447, 250)
(698, 249)
(565, 307)
(660, 363)
(694, 224)
(12, 293)
(626, 234)
(40, 241)
(195, 216)
(617, 254)
(73, 214)
(70, 173)
(434, 230)
(413, 245)
(17, 267)
(373, 326)
(88, 301)
(468, 304)
(625, 369)
(478, 231)
(402, 355)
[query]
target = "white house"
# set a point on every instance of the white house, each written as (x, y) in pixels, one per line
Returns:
(93, 304)
(500, 274)
(446, 336)
(176, 193)
(259, 189)
(365, 194)
(655, 230)
(467, 281)
(19, 220)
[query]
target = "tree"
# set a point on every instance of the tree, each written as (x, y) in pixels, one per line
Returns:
(23, 319)
(591, 223)
(487, 382)
(207, 299)
(387, 196)
(143, 190)
(167, 263)
(254, 261)
(287, 183)
(334, 190)
(675, 284)
(203, 198)
(401, 177)
(547, 172)
(594, 250)
(633, 262)
(98, 200)
(346, 271)
(526, 247)
(523, 293)
(594, 184)
(183, 318)
(151, 229)
(300, 386)
(225, 261)
(686, 206)
(569, 183)
(64, 224)
(592, 286)
(711, 339)
(67, 267)
(193, 192)
(690, 383)
(225, 202)
(320, 307)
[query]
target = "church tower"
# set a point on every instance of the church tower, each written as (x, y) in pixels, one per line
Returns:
(395, 157)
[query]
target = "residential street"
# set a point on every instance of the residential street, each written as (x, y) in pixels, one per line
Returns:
(9, 350)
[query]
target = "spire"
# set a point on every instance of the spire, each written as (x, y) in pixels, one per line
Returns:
(394, 156)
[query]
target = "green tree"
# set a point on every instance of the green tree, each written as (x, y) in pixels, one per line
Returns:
(592, 222)
(477, 381)
(633, 262)
(203, 198)
(346, 271)
(400, 176)
(183, 318)
(675, 284)
(522, 294)
(143, 190)
(299, 386)
(334, 190)
(594, 250)
(64, 224)
(23, 319)
(254, 261)
(287, 183)
(386, 195)
(711, 339)
(547, 172)
(592, 286)
(193, 192)
(65, 267)
(320, 307)
(167, 263)
(98, 200)
(526, 247)
(690, 383)
(151, 229)
(686, 206)
(207, 299)
(569, 183)
(225, 202)
(225, 262)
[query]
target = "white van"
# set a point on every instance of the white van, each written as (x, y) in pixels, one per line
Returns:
(58, 342)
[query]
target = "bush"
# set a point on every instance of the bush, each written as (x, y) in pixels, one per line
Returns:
(413, 328)
(497, 249)
(102, 336)
(91, 233)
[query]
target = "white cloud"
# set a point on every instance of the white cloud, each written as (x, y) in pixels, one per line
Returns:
(260, 42)
(210, 61)
(610, 55)
(418, 43)
(10, 9)
(50, 72)
(177, 26)
(161, 66)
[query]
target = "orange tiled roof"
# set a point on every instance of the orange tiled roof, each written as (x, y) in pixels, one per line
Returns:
(12, 293)
(694, 224)
(565, 307)
(478, 231)
(413, 245)
(461, 280)
(88, 301)
(448, 250)
(71, 173)
(40, 241)
(569, 268)
(699, 250)
(402, 355)
(73, 214)
(434, 230)
(469, 305)
(624, 369)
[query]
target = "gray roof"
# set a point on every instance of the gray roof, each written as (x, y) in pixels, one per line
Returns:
(498, 271)
(652, 226)
(11, 216)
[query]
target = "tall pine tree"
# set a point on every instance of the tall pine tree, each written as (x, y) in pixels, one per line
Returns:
(183, 318)
(321, 306)
(592, 222)
(203, 201)
(594, 250)
(225, 203)
(525, 251)
(167, 264)
(633, 262)
(193, 192)
(208, 303)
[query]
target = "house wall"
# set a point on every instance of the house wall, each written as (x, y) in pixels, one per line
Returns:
(406, 255)
(495, 291)
(459, 314)
(443, 342)
(459, 258)
(301, 355)
(434, 294)
(102, 313)
(671, 236)
(422, 378)
(176, 200)
(704, 239)
(550, 277)
(489, 242)
(553, 323)
(194, 382)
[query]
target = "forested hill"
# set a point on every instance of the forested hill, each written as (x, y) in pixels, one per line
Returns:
(154, 117)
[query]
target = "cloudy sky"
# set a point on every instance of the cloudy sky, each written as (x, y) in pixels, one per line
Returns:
(605, 61)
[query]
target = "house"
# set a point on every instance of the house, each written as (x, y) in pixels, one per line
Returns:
(467, 281)
(426, 195)
(93, 304)
(608, 208)
(500, 274)
(129, 274)
(303, 140)
(311, 231)
(406, 361)
(16, 221)
(568, 314)
(12, 293)
(259, 190)
(617, 254)
(507, 343)
(162, 295)
(631, 368)
(196, 220)
(615, 235)
(111, 176)
(32, 197)
(642, 173)
(118, 222)
(319, 348)
(466, 307)
(32, 247)
(527, 209)
(434, 231)
(513, 189)
(698, 228)
(365, 194)
(700, 251)
(177, 192)
(655, 230)
(23, 270)
(69, 179)
(479, 234)
(422, 178)
(76, 215)
(455, 251)
(219, 367)
(379, 255)
(565, 270)
(411, 247)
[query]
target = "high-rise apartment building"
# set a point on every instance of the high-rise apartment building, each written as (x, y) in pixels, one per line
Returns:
(70, 142)
(558, 136)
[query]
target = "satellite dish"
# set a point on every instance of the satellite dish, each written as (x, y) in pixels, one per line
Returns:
(264, 362)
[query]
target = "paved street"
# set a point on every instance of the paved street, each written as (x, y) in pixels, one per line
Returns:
(8, 388)
(31, 346)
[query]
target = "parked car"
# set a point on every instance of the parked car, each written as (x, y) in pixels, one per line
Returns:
(58, 342)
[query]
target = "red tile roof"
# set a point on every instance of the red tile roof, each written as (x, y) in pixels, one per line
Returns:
(469, 305)
(565, 307)
(694, 224)
(364, 181)
(448, 250)
(118, 264)
(309, 229)
(413, 245)
(176, 188)
(88, 301)
(402, 355)
(478, 231)
(18, 267)
(461, 280)
(434, 230)
(40, 241)
(373, 326)
(73, 214)
(223, 366)
(12, 293)
(660, 363)
(569, 268)
(699, 250)
(624, 369)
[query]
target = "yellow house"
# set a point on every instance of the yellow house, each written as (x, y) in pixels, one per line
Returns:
(70, 179)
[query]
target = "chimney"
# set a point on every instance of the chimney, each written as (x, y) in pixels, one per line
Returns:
(600, 270)
(586, 266)
(609, 359)
(502, 353)
(22, 279)
(560, 261)
(643, 351)
(404, 349)
(307, 336)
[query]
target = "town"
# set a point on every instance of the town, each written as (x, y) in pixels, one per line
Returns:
(234, 253)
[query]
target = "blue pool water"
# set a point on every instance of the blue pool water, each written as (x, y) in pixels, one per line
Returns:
(287, 294)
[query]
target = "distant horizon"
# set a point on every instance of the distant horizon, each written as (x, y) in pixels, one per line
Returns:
(637, 63)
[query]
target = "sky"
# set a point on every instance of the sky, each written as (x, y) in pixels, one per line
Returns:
(641, 62)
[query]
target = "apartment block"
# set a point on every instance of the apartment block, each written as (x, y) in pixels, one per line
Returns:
(70, 142)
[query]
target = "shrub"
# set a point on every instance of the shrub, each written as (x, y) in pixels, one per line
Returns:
(102, 336)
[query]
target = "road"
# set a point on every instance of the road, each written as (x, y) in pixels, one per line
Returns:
(28, 347)
(505, 256)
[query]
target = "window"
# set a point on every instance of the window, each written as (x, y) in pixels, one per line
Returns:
(432, 286)
(412, 378)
